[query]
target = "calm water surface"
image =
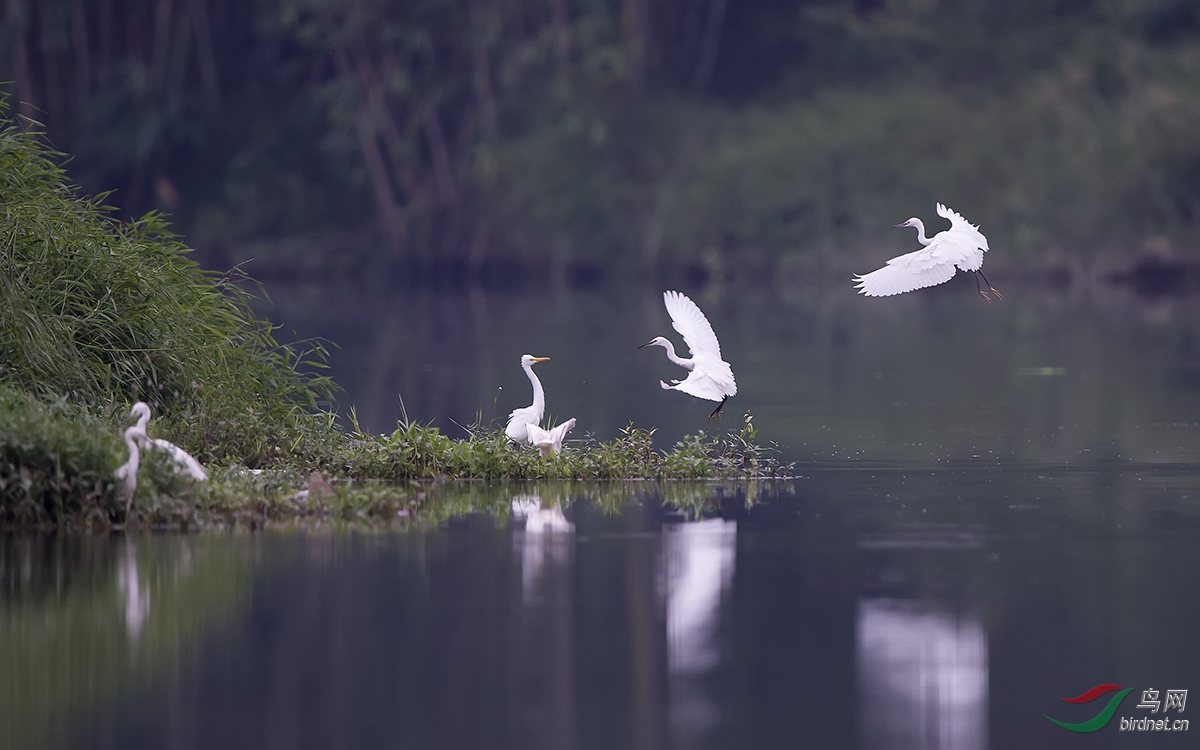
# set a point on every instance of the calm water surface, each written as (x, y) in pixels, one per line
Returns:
(996, 507)
(944, 607)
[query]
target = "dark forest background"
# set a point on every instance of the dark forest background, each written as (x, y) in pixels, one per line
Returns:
(456, 138)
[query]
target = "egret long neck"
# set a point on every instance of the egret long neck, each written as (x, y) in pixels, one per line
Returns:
(134, 454)
(671, 355)
(539, 396)
(921, 233)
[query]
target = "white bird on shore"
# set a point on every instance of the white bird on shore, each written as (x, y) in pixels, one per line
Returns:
(549, 442)
(961, 245)
(520, 419)
(709, 376)
(127, 472)
(183, 460)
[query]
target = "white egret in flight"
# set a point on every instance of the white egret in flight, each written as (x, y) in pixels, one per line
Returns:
(520, 419)
(710, 377)
(183, 460)
(549, 442)
(961, 245)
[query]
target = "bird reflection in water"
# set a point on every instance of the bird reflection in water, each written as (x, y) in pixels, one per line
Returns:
(134, 592)
(544, 537)
(699, 559)
(923, 676)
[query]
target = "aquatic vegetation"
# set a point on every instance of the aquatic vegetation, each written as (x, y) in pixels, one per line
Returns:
(57, 462)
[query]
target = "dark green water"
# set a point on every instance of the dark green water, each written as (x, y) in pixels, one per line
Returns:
(997, 507)
(940, 607)
(922, 378)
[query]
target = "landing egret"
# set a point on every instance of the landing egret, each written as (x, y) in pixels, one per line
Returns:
(520, 419)
(710, 377)
(127, 472)
(183, 460)
(961, 245)
(549, 442)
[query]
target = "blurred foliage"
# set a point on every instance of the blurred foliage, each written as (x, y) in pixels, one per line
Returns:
(620, 131)
(103, 312)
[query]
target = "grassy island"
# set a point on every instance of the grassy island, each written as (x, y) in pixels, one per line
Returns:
(98, 314)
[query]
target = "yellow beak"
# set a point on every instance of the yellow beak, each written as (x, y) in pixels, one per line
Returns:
(541, 359)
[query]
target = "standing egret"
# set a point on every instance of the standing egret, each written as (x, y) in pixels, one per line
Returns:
(183, 460)
(127, 472)
(549, 442)
(710, 377)
(961, 245)
(520, 419)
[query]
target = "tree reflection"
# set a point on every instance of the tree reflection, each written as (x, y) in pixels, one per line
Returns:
(923, 676)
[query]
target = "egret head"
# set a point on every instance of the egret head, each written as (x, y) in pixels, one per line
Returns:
(914, 222)
(528, 360)
(140, 412)
(656, 341)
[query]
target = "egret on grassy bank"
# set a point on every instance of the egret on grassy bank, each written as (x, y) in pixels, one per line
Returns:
(183, 460)
(961, 245)
(520, 419)
(549, 442)
(709, 376)
(127, 472)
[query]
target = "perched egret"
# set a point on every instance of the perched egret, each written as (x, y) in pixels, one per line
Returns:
(183, 460)
(127, 472)
(550, 441)
(520, 419)
(961, 245)
(710, 377)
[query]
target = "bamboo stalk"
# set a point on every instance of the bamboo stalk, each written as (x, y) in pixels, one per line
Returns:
(105, 33)
(439, 155)
(82, 51)
(209, 79)
(22, 72)
(385, 197)
(160, 44)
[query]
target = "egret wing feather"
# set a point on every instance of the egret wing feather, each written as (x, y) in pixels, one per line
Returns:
(692, 325)
(519, 422)
(916, 270)
(709, 380)
(550, 441)
(183, 460)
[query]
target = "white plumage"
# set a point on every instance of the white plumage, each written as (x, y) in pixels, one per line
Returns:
(962, 245)
(127, 472)
(183, 460)
(519, 420)
(709, 376)
(550, 441)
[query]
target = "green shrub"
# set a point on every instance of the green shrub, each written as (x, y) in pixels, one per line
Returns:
(103, 312)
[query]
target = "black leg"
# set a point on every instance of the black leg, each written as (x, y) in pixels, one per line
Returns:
(980, 289)
(717, 412)
(993, 289)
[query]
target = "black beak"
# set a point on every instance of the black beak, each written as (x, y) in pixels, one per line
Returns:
(648, 343)
(897, 226)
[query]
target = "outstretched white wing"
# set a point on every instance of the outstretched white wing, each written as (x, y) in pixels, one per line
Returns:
(550, 441)
(962, 241)
(692, 325)
(916, 270)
